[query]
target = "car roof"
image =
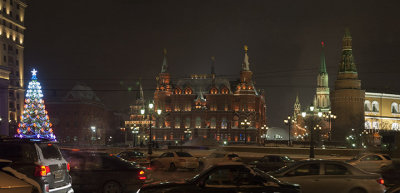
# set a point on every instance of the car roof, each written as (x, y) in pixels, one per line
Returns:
(319, 161)
(229, 163)
(24, 140)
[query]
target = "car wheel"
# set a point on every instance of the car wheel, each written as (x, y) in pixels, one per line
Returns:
(112, 187)
(358, 190)
(172, 167)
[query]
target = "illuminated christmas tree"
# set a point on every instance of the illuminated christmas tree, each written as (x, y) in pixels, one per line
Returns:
(35, 122)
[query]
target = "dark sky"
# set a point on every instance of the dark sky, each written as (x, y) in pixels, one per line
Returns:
(110, 44)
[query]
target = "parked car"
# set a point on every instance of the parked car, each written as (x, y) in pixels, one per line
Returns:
(10, 183)
(174, 160)
(371, 162)
(101, 172)
(272, 162)
(134, 156)
(225, 177)
(391, 174)
(39, 160)
(217, 157)
(330, 177)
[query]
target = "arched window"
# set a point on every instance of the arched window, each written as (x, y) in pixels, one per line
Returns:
(213, 124)
(178, 91)
(235, 122)
(367, 106)
(224, 123)
(375, 125)
(214, 91)
(188, 91)
(177, 122)
(395, 107)
(224, 90)
(187, 122)
(375, 106)
(368, 125)
(198, 122)
(395, 126)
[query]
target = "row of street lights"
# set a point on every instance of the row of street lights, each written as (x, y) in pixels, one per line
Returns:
(312, 120)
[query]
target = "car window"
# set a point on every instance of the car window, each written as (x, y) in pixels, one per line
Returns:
(170, 155)
(275, 159)
(387, 157)
(232, 155)
(371, 158)
(265, 159)
(163, 155)
(219, 155)
(50, 151)
(335, 169)
(183, 154)
(223, 176)
(25, 153)
(305, 170)
(286, 158)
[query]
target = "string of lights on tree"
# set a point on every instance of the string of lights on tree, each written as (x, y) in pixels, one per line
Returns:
(35, 121)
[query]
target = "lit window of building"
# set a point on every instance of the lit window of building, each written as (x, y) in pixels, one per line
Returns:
(375, 106)
(395, 126)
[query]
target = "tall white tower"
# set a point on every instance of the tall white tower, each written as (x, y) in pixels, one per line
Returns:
(322, 101)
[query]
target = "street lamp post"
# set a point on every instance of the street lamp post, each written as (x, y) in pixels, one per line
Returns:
(187, 132)
(289, 121)
(264, 130)
(330, 117)
(245, 124)
(93, 128)
(135, 131)
(311, 119)
(150, 112)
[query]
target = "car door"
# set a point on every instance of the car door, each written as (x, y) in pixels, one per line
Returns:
(220, 180)
(249, 182)
(370, 163)
(307, 175)
(334, 179)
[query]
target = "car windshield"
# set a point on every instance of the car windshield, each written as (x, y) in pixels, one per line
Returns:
(50, 151)
(387, 157)
(183, 154)
(282, 169)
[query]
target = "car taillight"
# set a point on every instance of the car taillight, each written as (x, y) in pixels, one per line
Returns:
(42, 171)
(380, 181)
(68, 167)
(142, 175)
(47, 187)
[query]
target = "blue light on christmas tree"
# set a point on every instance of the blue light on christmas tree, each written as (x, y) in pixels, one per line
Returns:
(35, 122)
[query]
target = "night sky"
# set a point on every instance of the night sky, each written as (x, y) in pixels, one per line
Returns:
(108, 45)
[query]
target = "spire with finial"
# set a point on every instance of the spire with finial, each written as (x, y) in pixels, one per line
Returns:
(140, 95)
(246, 64)
(347, 64)
(322, 69)
(164, 67)
(212, 65)
(297, 107)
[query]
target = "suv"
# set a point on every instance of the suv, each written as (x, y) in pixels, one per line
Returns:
(40, 160)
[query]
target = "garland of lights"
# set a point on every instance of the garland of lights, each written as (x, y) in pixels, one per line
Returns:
(35, 121)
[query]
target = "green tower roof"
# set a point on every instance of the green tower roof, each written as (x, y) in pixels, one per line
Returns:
(347, 64)
(323, 64)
